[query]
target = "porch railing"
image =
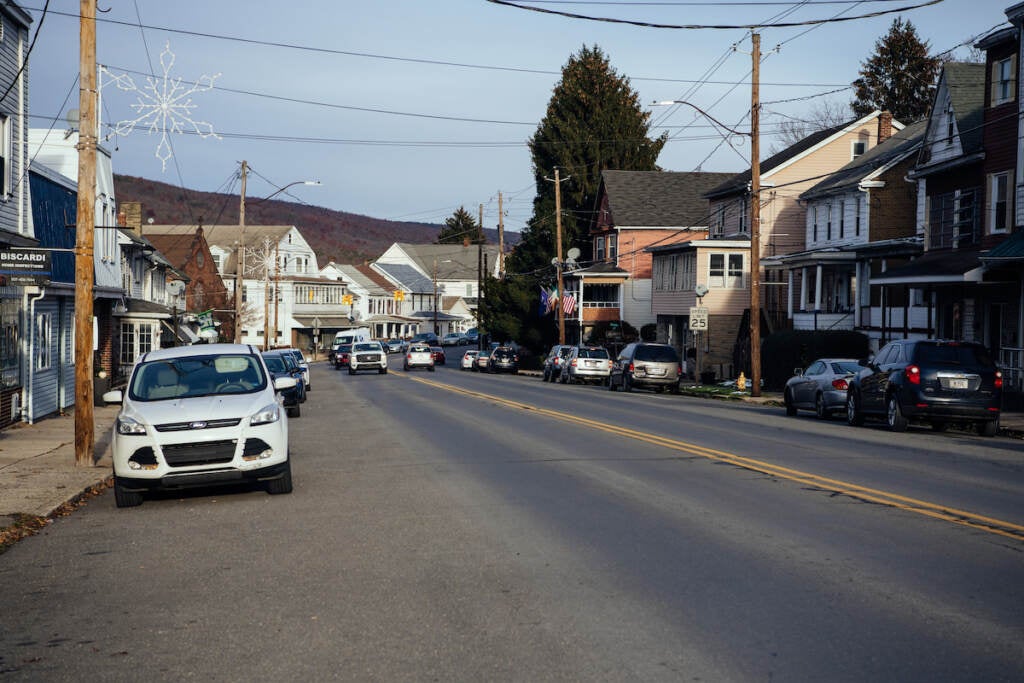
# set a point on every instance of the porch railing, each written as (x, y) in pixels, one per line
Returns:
(1010, 362)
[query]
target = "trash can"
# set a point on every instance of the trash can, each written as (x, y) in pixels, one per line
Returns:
(100, 386)
(707, 377)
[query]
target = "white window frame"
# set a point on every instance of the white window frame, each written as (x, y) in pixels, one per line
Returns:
(1002, 75)
(999, 206)
(730, 275)
(857, 148)
(599, 249)
(612, 244)
(43, 341)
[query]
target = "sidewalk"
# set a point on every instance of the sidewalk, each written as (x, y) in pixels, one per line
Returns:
(37, 464)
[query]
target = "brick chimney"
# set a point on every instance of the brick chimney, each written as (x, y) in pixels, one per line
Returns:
(132, 213)
(884, 126)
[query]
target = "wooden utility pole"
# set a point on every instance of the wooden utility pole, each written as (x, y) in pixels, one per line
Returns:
(755, 220)
(85, 227)
(558, 256)
(480, 280)
(435, 296)
(266, 294)
(501, 239)
(240, 261)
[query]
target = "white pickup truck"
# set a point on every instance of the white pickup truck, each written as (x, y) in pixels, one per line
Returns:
(419, 356)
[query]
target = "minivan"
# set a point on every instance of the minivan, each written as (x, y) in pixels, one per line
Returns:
(642, 364)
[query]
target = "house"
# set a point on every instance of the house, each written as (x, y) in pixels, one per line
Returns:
(374, 301)
(860, 221)
(721, 262)
(968, 278)
(283, 295)
(435, 273)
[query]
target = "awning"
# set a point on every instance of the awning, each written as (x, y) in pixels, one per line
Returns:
(943, 267)
(341, 321)
(1010, 250)
(185, 334)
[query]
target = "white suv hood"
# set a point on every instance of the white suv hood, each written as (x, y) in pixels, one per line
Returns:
(197, 409)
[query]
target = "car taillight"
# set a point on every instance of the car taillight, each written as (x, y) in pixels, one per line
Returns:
(913, 374)
(574, 362)
(840, 384)
(630, 368)
(679, 371)
(999, 380)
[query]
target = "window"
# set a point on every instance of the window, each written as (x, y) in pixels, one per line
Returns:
(718, 222)
(127, 344)
(950, 120)
(599, 246)
(999, 202)
(857, 148)
(725, 271)
(856, 218)
(10, 342)
(842, 219)
(44, 332)
(612, 251)
(1003, 83)
(743, 211)
(828, 222)
(814, 223)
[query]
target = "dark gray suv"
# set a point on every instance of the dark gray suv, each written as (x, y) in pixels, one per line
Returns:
(655, 366)
(932, 380)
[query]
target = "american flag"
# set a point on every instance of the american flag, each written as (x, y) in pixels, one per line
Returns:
(568, 304)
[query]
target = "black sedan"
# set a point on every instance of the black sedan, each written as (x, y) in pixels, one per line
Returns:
(279, 368)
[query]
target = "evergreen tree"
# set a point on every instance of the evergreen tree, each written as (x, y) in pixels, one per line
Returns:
(461, 226)
(593, 122)
(899, 77)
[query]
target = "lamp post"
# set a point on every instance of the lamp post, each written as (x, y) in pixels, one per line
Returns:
(240, 264)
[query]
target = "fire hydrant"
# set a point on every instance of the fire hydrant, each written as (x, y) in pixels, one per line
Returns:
(741, 381)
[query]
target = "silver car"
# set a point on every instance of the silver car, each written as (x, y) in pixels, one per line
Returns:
(654, 366)
(820, 387)
(587, 364)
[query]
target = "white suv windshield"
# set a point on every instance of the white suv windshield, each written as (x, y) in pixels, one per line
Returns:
(197, 376)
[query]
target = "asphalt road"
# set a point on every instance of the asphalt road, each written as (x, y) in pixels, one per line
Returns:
(462, 526)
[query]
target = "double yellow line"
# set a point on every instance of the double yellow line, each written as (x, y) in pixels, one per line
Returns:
(920, 507)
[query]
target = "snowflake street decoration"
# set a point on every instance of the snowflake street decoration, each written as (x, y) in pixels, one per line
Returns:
(164, 106)
(259, 262)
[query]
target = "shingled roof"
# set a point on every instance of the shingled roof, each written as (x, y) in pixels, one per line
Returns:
(224, 236)
(653, 199)
(966, 85)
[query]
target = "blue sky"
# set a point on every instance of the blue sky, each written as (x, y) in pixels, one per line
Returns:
(443, 132)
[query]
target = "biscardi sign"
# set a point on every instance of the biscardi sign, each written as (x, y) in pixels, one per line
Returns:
(25, 266)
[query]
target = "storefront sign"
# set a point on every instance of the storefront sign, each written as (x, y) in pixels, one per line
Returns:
(21, 267)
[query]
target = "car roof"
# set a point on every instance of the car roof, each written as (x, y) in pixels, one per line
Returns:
(198, 350)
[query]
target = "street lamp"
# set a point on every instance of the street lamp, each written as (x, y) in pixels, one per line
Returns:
(240, 264)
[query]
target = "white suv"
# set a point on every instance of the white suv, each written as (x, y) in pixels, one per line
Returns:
(199, 415)
(419, 356)
(368, 356)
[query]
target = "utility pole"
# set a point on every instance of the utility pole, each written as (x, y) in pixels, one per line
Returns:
(480, 279)
(435, 296)
(558, 248)
(755, 220)
(277, 288)
(86, 223)
(266, 294)
(240, 261)
(501, 239)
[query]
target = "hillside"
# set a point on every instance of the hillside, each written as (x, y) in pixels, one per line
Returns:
(334, 235)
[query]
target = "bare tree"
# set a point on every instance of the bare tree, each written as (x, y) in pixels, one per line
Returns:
(823, 114)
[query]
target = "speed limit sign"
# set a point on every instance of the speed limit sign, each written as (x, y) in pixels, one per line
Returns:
(698, 318)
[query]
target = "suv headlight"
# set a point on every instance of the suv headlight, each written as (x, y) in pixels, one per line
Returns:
(126, 425)
(271, 413)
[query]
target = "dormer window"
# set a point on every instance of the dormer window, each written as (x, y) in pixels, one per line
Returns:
(950, 120)
(858, 148)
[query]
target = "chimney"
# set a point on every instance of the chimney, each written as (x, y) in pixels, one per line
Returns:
(132, 213)
(884, 126)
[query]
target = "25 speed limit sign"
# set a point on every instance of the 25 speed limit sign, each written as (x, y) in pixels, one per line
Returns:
(698, 318)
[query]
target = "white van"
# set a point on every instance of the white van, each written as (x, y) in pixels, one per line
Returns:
(356, 334)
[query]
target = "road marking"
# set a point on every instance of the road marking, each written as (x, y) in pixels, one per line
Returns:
(921, 507)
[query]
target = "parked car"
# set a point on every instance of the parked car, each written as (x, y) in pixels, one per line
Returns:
(428, 338)
(586, 364)
(368, 355)
(341, 356)
(552, 368)
(419, 356)
(503, 359)
(469, 359)
(641, 364)
(395, 345)
(453, 339)
(292, 368)
(279, 367)
(472, 335)
(439, 357)
(483, 360)
(301, 360)
(199, 415)
(930, 380)
(820, 387)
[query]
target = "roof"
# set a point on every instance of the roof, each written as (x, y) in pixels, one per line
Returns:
(224, 236)
(407, 276)
(956, 265)
(739, 182)
(965, 83)
(1010, 249)
(373, 276)
(454, 261)
(601, 268)
(176, 248)
(901, 145)
(157, 256)
(659, 198)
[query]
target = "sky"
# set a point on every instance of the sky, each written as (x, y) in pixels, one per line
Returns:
(408, 109)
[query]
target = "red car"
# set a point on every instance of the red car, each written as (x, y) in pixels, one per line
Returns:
(341, 355)
(438, 353)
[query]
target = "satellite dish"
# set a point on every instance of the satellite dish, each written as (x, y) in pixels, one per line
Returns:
(554, 261)
(175, 287)
(700, 290)
(573, 254)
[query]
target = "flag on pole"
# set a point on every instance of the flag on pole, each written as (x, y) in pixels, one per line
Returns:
(552, 299)
(543, 301)
(569, 304)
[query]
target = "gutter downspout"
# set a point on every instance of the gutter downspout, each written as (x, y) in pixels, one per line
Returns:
(27, 403)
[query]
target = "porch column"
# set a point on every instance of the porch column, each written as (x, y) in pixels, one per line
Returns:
(817, 287)
(803, 288)
(789, 294)
(856, 295)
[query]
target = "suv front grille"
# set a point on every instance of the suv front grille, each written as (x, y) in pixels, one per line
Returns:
(197, 424)
(204, 453)
(368, 358)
